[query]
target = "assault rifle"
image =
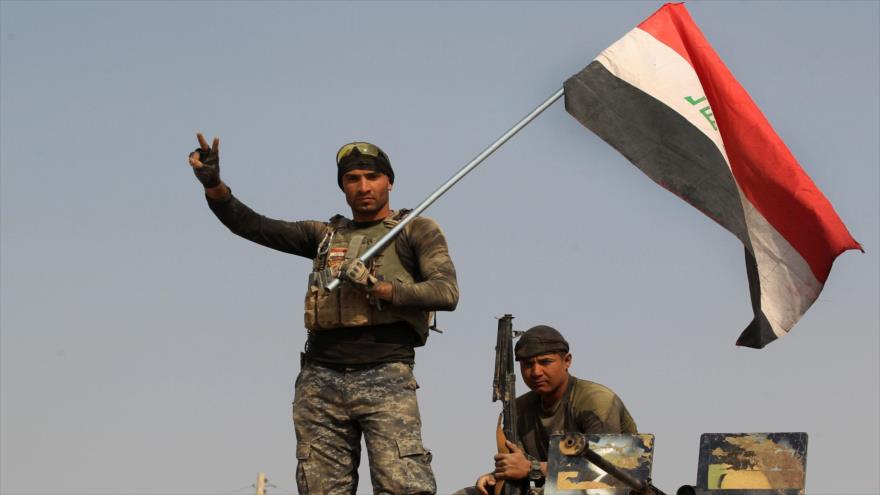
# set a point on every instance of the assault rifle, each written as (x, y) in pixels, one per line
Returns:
(504, 389)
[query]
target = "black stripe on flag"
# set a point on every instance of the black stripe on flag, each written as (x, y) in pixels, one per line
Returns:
(759, 332)
(659, 141)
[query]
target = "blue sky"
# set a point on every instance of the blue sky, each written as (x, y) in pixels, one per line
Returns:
(144, 349)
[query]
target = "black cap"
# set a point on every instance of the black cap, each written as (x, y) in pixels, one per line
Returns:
(359, 161)
(540, 339)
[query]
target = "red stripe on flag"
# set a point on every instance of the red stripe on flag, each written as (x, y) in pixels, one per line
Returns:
(762, 165)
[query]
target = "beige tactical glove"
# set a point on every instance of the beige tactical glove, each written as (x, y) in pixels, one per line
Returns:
(356, 273)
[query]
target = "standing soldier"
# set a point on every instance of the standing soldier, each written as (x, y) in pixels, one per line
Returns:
(356, 372)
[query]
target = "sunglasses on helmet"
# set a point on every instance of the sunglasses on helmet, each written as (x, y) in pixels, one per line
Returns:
(362, 148)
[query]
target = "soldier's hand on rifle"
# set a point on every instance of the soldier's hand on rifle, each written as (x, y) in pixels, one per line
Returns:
(205, 161)
(484, 482)
(512, 466)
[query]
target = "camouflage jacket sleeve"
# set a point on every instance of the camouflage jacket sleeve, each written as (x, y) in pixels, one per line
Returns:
(422, 246)
(597, 409)
(299, 238)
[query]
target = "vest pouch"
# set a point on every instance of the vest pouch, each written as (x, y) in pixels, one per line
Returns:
(354, 307)
(327, 304)
(321, 306)
(311, 309)
(321, 309)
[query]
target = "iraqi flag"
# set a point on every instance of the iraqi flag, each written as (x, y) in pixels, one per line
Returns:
(664, 99)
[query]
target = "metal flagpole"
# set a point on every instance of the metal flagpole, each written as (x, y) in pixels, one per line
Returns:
(381, 243)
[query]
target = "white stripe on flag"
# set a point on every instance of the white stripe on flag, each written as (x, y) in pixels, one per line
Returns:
(642, 61)
(788, 286)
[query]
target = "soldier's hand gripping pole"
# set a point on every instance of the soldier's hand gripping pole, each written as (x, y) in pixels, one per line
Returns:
(382, 242)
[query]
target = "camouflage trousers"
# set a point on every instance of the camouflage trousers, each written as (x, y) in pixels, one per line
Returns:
(332, 409)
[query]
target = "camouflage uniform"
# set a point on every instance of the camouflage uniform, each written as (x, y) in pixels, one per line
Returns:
(352, 380)
(331, 410)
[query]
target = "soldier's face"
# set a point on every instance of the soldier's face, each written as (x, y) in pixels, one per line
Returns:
(546, 374)
(366, 192)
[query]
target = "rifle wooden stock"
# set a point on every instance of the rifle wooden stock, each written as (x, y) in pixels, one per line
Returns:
(501, 443)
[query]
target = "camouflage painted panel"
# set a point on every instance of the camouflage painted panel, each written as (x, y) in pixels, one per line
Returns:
(571, 475)
(752, 464)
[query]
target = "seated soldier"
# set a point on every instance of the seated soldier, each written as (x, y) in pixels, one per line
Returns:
(557, 403)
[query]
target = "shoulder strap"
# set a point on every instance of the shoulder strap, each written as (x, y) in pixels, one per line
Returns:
(395, 218)
(335, 223)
